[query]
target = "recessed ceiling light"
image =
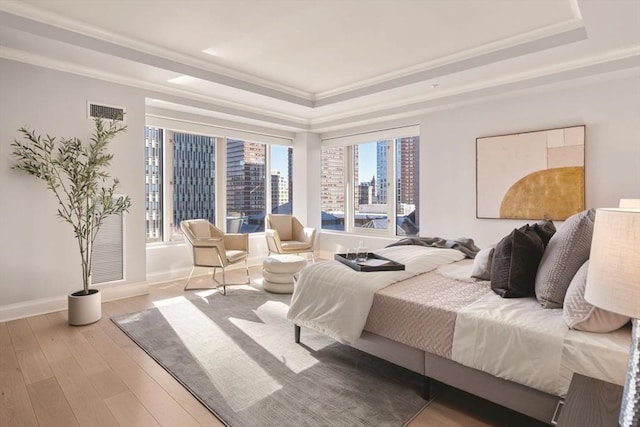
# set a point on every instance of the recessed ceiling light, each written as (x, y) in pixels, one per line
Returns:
(213, 52)
(181, 80)
(435, 85)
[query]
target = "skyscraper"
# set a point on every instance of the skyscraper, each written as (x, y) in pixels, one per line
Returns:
(279, 189)
(332, 178)
(194, 165)
(381, 171)
(153, 184)
(246, 183)
(408, 164)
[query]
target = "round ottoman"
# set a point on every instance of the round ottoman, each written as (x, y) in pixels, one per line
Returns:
(278, 271)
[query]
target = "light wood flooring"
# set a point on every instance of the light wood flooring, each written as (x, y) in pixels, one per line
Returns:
(52, 374)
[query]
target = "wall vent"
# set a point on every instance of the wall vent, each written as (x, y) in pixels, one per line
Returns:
(108, 251)
(108, 112)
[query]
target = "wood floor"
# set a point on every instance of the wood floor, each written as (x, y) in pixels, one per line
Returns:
(52, 374)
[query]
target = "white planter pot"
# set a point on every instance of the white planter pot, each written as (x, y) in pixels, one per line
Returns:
(85, 309)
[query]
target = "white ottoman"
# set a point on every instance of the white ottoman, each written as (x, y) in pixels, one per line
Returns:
(278, 271)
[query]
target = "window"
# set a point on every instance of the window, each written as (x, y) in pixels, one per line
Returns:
(382, 182)
(332, 191)
(184, 179)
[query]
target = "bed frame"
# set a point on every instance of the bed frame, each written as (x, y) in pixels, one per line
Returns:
(526, 400)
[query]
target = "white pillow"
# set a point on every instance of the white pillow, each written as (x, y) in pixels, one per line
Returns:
(482, 264)
(581, 315)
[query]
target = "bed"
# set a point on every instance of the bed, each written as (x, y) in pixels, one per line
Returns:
(433, 318)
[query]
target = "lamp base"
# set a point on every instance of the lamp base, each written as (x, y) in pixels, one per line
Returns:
(630, 407)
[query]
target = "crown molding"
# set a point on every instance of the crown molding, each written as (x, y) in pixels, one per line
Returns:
(560, 77)
(628, 57)
(167, 93)
(622, 58)
(535, 40)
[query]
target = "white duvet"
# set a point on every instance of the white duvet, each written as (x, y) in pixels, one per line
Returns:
(516, 339)
(335, 300)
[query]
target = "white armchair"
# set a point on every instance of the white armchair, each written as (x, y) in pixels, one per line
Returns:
(211, 247)
(286, 235)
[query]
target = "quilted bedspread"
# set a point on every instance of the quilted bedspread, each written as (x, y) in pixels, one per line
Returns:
(335, 300)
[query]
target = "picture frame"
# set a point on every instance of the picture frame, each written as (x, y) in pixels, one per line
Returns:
(531, 175)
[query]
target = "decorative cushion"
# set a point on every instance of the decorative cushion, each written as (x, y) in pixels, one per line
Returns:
(515, 261)
(580, 314)
(482, 264)
(545, 229)
(567, 250)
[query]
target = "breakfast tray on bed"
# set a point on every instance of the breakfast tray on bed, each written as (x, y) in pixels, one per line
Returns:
(373, 263)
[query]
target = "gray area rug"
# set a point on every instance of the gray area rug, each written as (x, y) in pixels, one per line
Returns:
(236, 354)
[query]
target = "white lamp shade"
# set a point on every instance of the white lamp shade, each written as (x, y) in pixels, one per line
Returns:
(613, 280)
(630, 203)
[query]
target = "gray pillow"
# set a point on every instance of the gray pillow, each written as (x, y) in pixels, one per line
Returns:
(581, 315)
(567, 250)
(482, 264)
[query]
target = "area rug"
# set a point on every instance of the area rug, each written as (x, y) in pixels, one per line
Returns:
(237, 355)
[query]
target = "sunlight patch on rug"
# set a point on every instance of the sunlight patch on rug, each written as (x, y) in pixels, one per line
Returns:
(266, 333)
(220, 356)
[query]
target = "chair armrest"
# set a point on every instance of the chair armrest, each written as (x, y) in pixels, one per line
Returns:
(309, 234)
(273, 240)
(237, 241)
(208, 242)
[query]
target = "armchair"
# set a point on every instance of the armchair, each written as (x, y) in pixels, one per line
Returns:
(211, 247)
(286, 235)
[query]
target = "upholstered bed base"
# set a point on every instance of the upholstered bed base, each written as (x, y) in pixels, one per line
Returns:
(536, 404)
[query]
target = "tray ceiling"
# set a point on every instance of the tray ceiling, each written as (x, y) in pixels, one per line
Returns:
(311, 65)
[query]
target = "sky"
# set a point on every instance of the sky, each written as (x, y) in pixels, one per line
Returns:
(368, 161)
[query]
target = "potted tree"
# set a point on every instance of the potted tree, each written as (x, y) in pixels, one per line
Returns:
(76, 174)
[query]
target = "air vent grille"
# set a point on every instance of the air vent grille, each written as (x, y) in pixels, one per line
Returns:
(106, 111)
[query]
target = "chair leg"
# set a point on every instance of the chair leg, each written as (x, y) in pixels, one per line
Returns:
(186, 285)
(189, 278)
(224, 279)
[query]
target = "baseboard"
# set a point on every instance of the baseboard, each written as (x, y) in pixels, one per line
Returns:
(58, 303)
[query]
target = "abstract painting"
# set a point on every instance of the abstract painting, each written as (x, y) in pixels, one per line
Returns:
(531, 175)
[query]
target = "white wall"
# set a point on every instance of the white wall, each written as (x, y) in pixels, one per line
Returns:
(609, 109)
(39, 262)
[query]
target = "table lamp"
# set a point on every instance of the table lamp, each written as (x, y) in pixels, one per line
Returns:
(613, 283)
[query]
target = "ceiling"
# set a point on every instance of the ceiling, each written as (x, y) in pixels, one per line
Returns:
(311, 65)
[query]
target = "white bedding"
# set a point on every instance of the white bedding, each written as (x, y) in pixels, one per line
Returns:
(335, 300)
(516, 339)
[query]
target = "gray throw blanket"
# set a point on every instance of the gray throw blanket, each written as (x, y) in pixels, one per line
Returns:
(463, 244)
